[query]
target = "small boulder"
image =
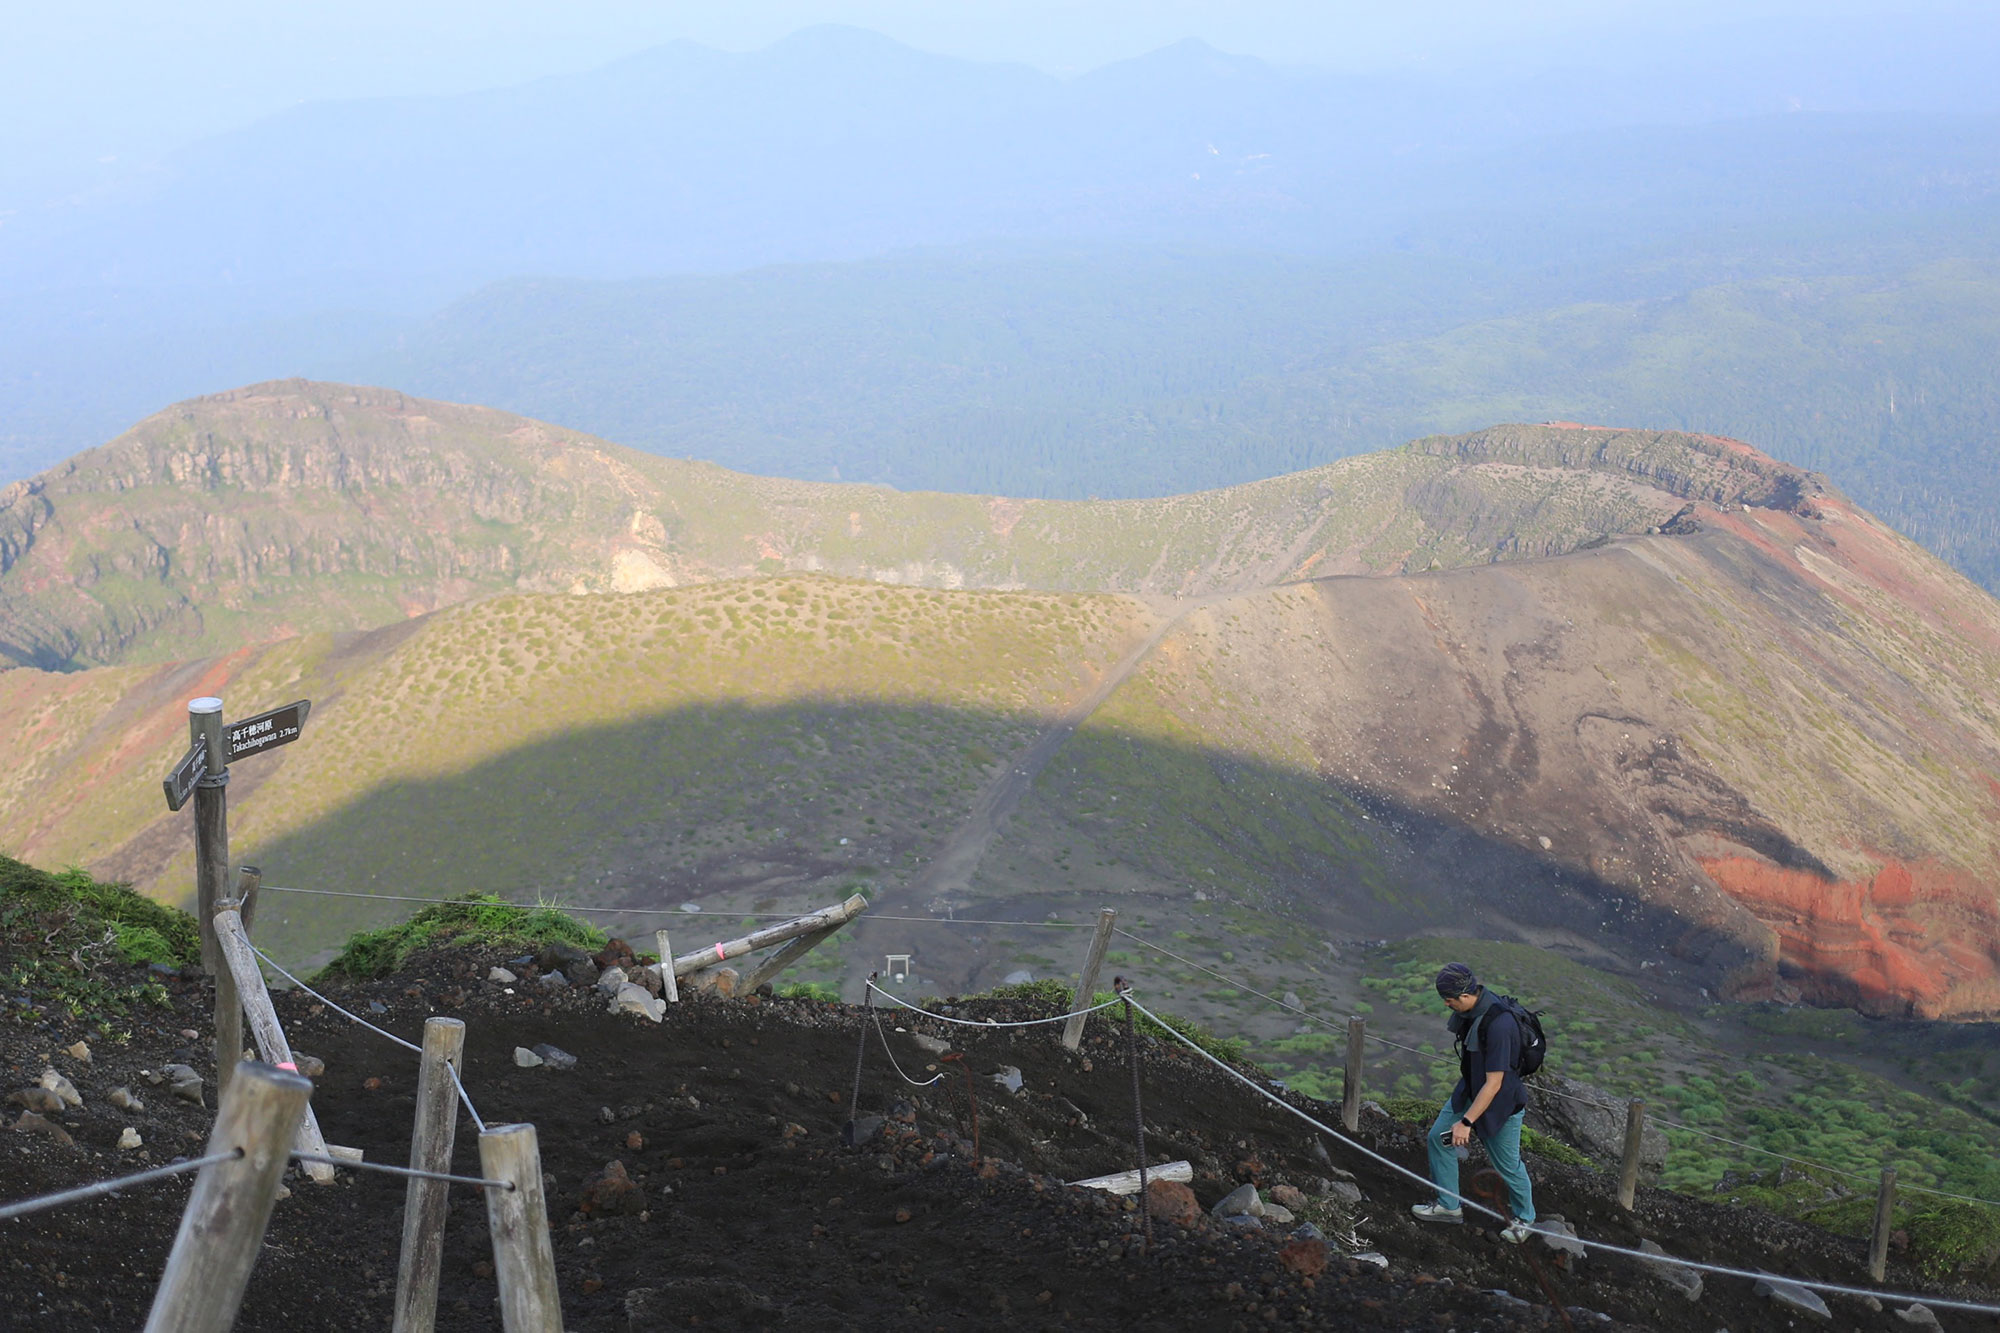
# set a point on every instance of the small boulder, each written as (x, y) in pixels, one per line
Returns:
(1303, 1258)
(860, 1129)
(37, 1099)
(1278, 1215)
(1239, 1202)
(1919, 1316)
(649, 978)
(1686, 1281)
(555, 1057)
(184, 1082)
(61, 1087)
(610, 979)
(617, 953)
(526, 1058)
(1019, 977)
(31, 1123)
(611, 1193)
(1559, 1236)
(129, 1140)
(1242, 1222)
(631, 999)
(1171, 1202)
(309, 1065)
(1008, 1077)
(123, 1099)
(553, 980)
(79, 1052)
(925, 1042)
(572, 962)
(1307, 1231)
(719, 981)
(1792, 1296)
(1343, 1192)
(1289, 1195)
(500, 976)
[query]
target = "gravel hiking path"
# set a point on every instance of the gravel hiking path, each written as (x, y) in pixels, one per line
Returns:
(745, 1211)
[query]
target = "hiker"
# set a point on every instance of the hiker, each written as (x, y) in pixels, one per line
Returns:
(1489, 1101)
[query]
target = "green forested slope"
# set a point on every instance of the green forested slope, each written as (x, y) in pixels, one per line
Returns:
(1088, 374)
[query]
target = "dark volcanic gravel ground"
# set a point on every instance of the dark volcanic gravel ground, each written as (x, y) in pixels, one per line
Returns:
(752, 1214)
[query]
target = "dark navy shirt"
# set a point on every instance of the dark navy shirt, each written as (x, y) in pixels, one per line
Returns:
(1502, 1051)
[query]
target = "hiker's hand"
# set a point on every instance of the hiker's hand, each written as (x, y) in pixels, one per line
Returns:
(1460, 1135)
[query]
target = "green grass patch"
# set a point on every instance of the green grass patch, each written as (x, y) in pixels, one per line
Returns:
(475, 920)
(66, 940)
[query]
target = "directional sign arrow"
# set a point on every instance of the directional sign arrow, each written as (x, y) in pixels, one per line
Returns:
(254, 735)
(180, 781)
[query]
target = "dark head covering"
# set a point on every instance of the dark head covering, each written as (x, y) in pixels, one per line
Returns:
(1456, 979)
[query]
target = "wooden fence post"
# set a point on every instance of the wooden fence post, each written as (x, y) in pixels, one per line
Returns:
(248, 880)
(1885, 1212)
(1350, 1089)
(524, 1258)
(1628, 1167)
(211, 878)
(425, 1202)
(222, 1227)
(670, 986)
(264, 1026)
(1086, 984)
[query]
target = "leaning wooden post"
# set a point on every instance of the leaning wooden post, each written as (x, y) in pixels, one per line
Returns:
(265, 1028)
(1350, 1089)
(524, 1259)
(222, 1227)
(1628, 1167)
(670, 985)
(1885, 1211)
(425, 1202)
(1086, 984)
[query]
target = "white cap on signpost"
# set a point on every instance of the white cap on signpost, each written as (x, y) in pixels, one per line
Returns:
(206, 704)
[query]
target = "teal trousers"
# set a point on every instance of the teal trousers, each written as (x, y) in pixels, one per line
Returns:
(1503, 1150)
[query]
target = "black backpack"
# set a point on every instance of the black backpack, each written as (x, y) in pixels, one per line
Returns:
(1534, 1044)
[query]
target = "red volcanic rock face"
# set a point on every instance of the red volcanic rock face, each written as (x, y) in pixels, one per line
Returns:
(1919, 939)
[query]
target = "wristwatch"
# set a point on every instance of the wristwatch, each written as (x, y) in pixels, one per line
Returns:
(1467, 1123)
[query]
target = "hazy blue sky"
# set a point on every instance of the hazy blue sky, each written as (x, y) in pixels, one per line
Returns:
(91, 79)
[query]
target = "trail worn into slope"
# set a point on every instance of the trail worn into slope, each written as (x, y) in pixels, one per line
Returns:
(957, 860)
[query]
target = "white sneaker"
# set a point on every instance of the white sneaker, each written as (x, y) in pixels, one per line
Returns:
(1437, 1212)
(1516, 1232)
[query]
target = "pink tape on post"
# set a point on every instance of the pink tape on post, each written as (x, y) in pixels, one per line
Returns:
(720, 956)
(288, 1066)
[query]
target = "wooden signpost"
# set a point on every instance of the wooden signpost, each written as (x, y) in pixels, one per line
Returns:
(203, 773)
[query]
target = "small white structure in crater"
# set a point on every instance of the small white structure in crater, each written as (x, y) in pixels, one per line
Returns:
(897, 967)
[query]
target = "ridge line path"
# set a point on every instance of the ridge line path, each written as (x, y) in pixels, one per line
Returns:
(960, 854)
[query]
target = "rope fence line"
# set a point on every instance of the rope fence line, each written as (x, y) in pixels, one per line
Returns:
(351, 1016)
(977, 1023)
(1474, 1205)
(1433, 1057)
(933, 1079)
(406, 1171)
(1545, 1090)
(44, 1202)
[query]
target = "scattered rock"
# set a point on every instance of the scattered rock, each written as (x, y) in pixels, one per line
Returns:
(1559, 1236)
(610, 979)
(123, 1099)
(1371, 1258)
(130, 1139)
(184, 1082)
(555, 1057)
(1008, 1077)
(377, 1007)
(61, 1087)
(1343, 1192)
(37, 1099)
(526, 1058)
(79, 1052)
(720, 981)
(617, 953)
(1792, 1296)
(31, 1123)
(1171, 1202)
(634, 1141)
(1289, 1196)
(1242, 1222)
(1239, 1202)
(860, 1129)
(553, 980)
(631, 999)
(1307, 1231)
(572, 962)
(1919, 1316)
(1686, 1281)
(1019, 977)
(935, 1045)
(309, 1065)
(611, 1193)
(1303, 1258)
(501, 976)
(649, 979)
(1278, 1214)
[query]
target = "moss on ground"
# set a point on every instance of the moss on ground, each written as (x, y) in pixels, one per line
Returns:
(473, 921)
(73, 943)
